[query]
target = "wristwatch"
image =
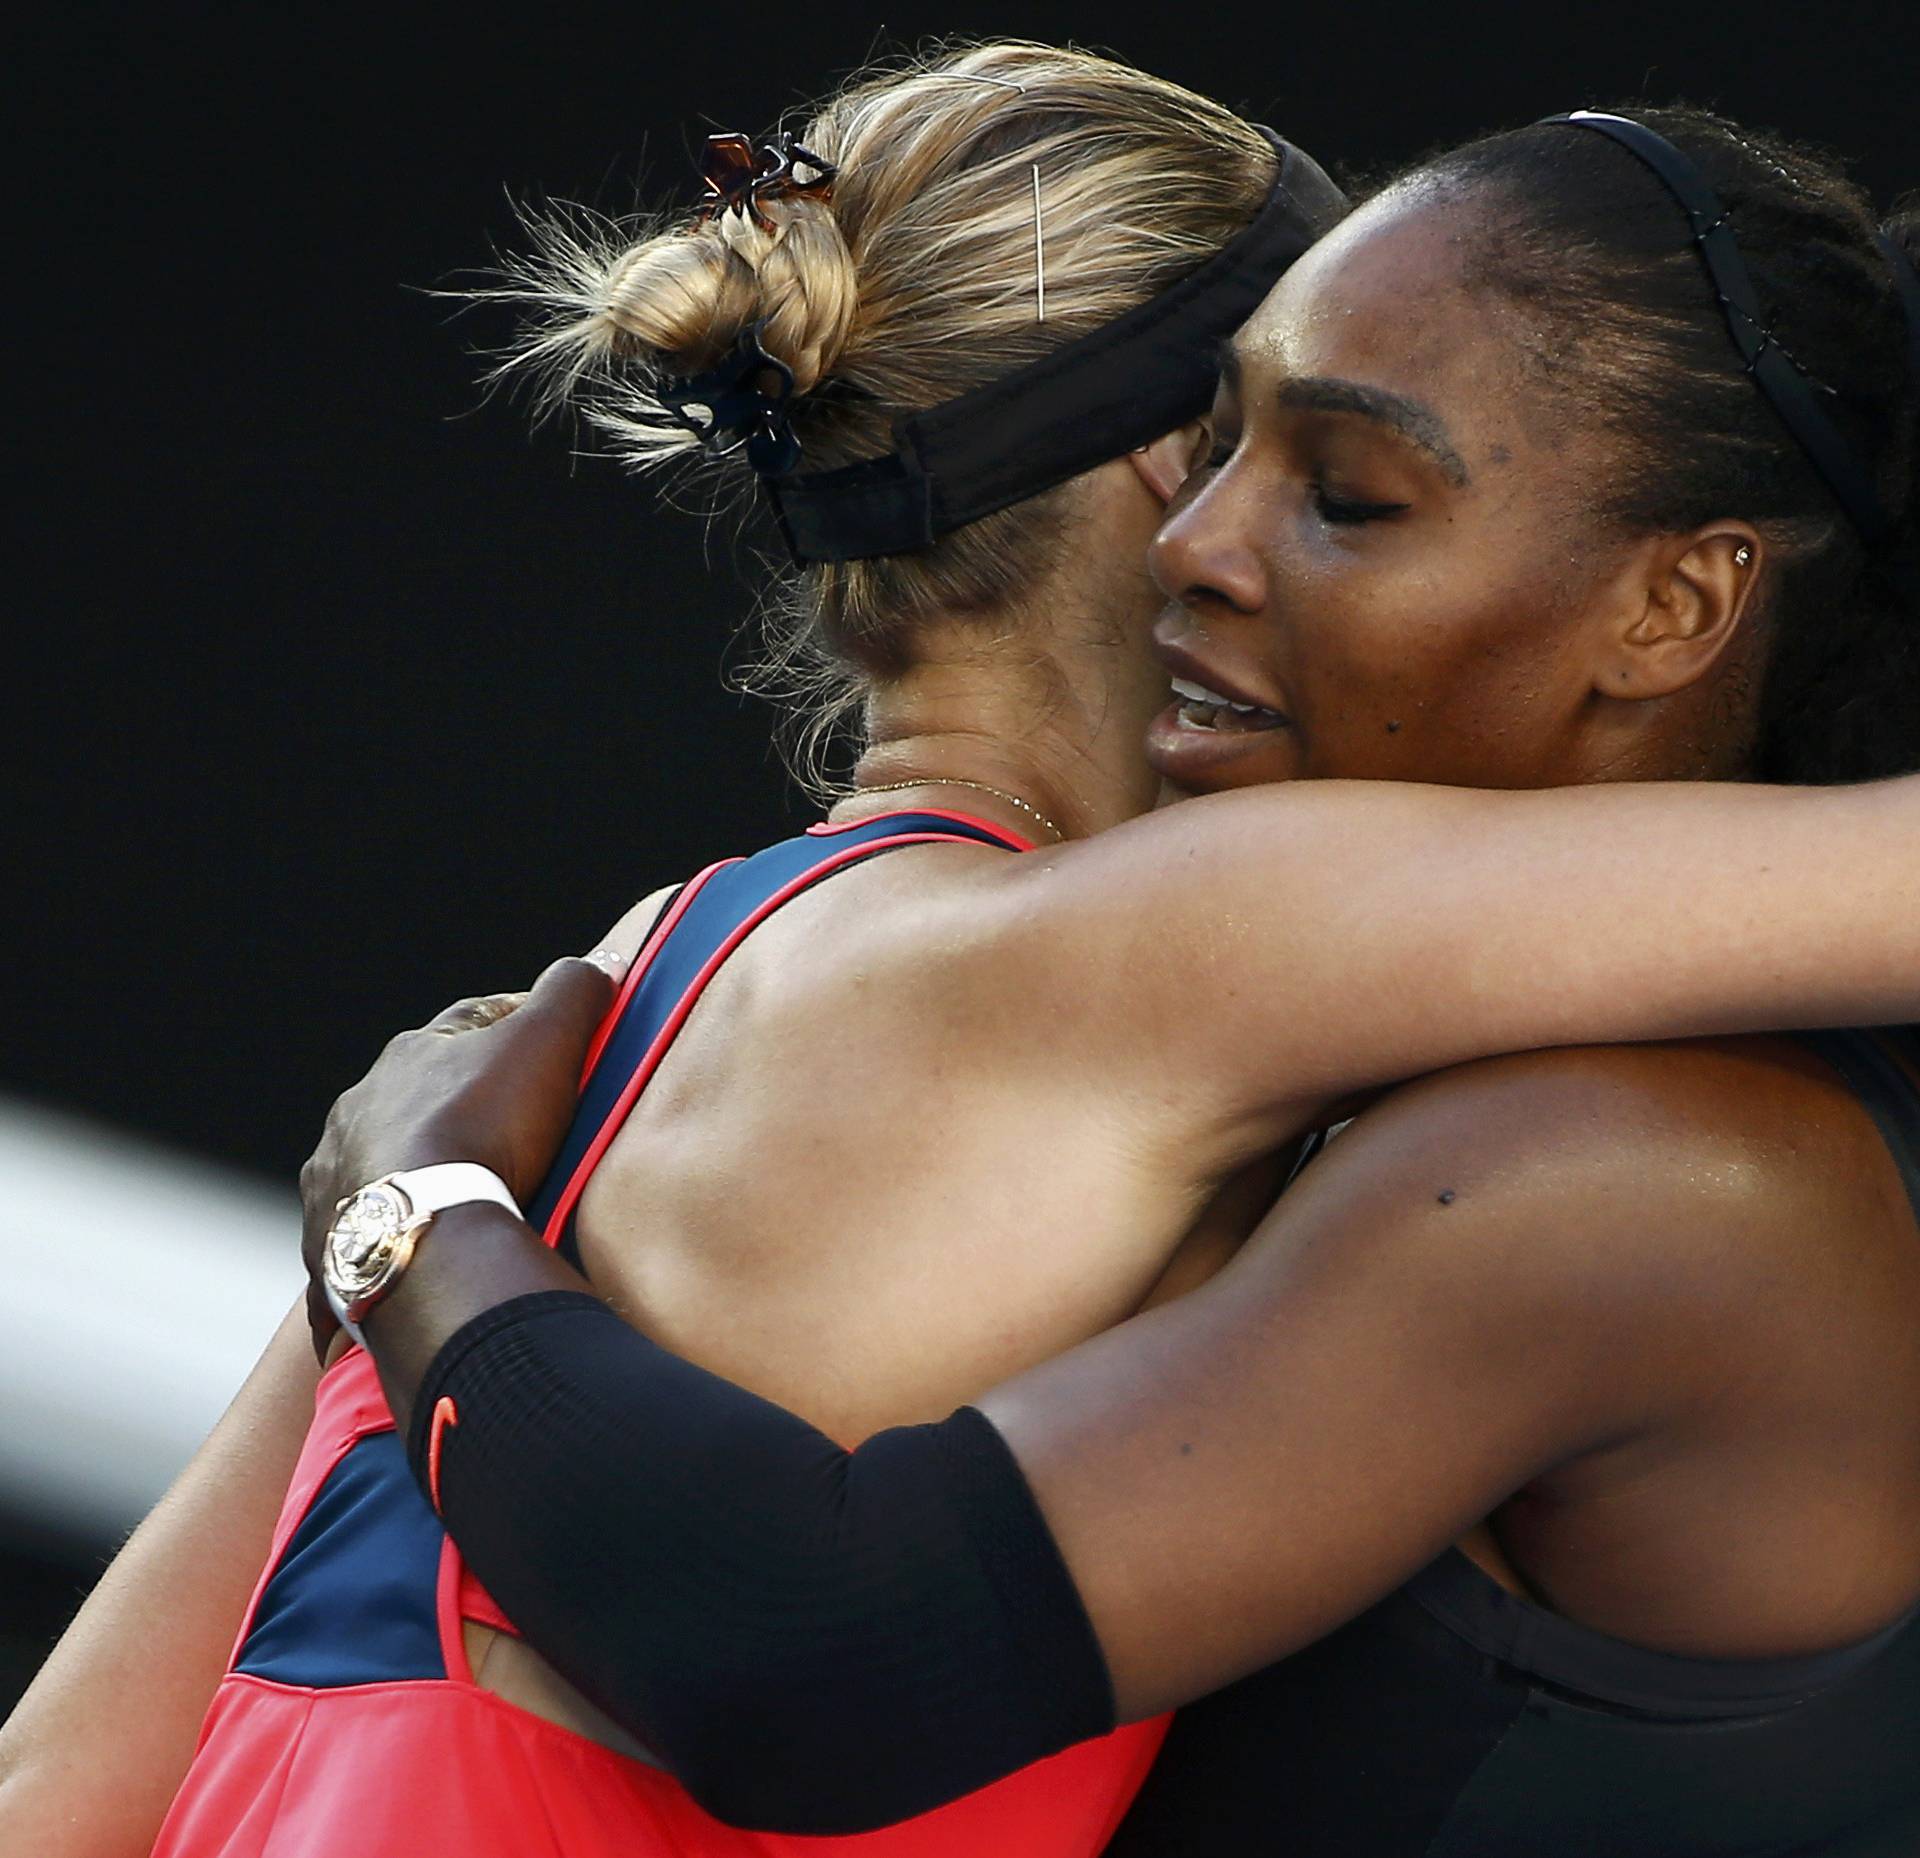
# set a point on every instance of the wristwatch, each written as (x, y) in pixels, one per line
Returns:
(374, 1231)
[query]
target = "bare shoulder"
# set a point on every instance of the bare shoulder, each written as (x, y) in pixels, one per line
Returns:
(1739, 1117)
(1697, 1177)
(1703, 1090)
(913, 947)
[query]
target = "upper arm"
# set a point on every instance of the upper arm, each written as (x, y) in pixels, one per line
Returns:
(1260, 951)
(1471, 1287)
(124, 1692)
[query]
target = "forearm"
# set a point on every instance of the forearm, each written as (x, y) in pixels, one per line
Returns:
(748, 1598)
(92, 1756)
(1604, 914)
(1337, 935)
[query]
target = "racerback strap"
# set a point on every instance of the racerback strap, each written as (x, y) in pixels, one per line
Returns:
(705, 922)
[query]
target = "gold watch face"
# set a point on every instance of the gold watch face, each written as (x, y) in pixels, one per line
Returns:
(364, 1236)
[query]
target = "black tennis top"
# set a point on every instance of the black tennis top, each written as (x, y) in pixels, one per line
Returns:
(1456, 1720)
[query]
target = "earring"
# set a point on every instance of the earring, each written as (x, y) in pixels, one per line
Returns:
(1742, 555)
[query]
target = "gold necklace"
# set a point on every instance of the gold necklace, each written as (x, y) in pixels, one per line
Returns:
(999, 793)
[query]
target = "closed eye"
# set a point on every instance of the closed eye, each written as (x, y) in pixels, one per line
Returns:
(1345, 510)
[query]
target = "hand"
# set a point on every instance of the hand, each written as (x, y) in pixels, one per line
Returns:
(492, 1079)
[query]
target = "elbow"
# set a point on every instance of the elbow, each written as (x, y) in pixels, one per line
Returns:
(767, 1756)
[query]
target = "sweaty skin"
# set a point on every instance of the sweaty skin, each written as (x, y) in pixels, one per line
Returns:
(1633, 1295)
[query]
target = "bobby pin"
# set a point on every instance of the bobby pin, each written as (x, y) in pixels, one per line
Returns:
(1039, 254)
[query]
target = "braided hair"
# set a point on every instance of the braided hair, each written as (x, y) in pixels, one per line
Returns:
(1589, 244)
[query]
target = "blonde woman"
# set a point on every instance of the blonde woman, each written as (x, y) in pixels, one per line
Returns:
(906, 1049)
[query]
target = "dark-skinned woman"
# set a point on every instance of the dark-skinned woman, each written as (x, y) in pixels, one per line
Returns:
(1545, 1473)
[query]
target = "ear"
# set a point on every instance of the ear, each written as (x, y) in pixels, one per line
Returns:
(1687, 597)
(1163, 465)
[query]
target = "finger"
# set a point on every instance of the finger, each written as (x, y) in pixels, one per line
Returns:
(564, 1011)
(613, 962)
(474, 1012)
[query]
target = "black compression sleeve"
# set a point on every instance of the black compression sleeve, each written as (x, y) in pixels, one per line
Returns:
(813, 1640)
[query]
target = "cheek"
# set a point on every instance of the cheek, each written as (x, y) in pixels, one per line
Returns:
(1425, 675)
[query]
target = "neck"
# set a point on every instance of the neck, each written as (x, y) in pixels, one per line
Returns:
(1020, 730)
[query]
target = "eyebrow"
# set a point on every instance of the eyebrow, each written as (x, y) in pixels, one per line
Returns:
(1418, 424)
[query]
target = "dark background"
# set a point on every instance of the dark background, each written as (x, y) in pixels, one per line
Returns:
(337, 694)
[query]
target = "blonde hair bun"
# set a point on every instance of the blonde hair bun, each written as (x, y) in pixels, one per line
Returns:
(680, 300)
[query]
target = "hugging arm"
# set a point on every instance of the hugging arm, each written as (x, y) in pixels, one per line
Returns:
(1186, 1498)
(1284, 946)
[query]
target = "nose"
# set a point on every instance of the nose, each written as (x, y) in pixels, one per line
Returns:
(1204, 550)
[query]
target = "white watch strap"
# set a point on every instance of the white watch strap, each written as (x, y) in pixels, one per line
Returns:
(452, 1183)
(338, 1306)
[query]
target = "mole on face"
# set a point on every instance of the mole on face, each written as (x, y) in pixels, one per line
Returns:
(1446, 1196)
(1393, 728)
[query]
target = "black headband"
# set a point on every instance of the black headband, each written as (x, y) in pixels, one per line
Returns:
(1093, 399)
(1773, 371)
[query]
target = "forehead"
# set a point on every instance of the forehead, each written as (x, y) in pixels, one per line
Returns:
(1382, 299)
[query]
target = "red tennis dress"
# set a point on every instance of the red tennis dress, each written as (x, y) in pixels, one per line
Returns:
(348, 1712)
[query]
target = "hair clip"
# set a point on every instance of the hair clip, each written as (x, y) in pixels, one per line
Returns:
(739, 180)
(1039, 254)
(747, 398)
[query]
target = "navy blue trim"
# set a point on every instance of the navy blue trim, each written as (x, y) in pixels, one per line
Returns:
(353, 1598)
(722, 904)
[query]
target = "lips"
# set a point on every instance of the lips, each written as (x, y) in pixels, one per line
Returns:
(1207, 688)
(1220, 721)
